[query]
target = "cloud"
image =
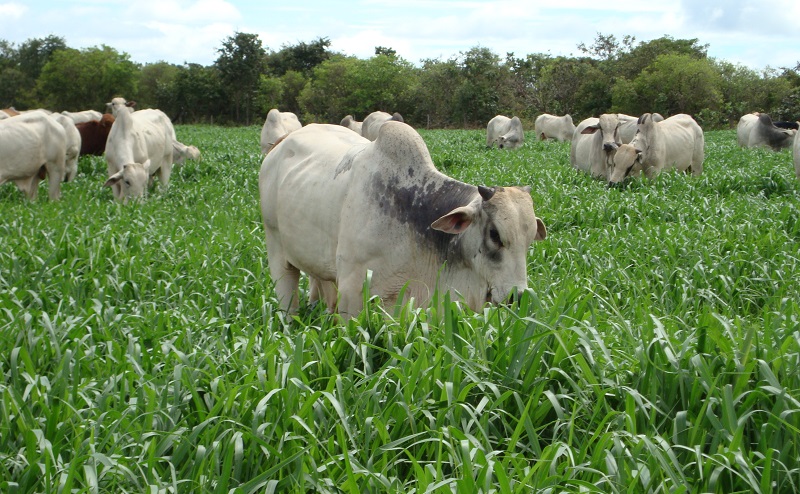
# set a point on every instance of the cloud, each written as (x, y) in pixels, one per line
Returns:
(12, 11)
(183, 12)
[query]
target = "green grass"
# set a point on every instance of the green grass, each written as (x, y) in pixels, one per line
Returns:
(657, 350)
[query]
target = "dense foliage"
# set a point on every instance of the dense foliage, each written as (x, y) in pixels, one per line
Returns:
(657, 350)
(463, 91)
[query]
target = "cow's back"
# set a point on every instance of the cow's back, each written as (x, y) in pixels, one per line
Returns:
(679, 144)
(744, 127)
(302, 184)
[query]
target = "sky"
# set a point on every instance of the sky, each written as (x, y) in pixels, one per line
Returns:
(754, 33)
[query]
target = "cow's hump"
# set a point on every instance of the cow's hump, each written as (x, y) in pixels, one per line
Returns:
(402, 143)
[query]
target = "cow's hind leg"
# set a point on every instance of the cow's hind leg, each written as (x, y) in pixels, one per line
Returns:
(285, 276)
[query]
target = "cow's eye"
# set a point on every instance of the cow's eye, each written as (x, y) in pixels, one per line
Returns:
(128, 183)
(494, 235)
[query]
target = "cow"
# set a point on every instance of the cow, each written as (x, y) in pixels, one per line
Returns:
(505, 132)
(33, 146)
(796, 154)
(351, 123)
(139, 146)
(373, 122)
(276, 125)
(94, 135)
(757, 130)
(552, 127)
(675, 143)
(73, 141)
(337, 206)
(181, 152)
(83, 116)
(8, 112)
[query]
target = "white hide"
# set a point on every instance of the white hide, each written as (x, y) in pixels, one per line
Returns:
(73, 138)
(31, 145)
(553, 127)
(373, 122)
(276, 125)
(504, 132)
(83, 116)
(337, 206)
(675, 143)
(144, 136)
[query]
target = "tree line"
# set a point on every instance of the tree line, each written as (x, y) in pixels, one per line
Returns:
(663, 75)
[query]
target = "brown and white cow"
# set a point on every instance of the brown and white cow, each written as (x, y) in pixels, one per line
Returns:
(337, 206)
(33, 146)
(94, 135)
(675, 143)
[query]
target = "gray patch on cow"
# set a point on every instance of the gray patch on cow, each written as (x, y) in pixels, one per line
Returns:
(347, 160)
(418, 206)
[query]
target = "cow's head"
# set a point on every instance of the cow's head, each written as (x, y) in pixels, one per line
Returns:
(119, 104)
(608, 125)
(496, 232)
(627, 161)
(130, 182)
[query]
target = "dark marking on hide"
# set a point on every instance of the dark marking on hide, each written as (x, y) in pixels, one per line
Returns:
(418, 206)
(774, 137)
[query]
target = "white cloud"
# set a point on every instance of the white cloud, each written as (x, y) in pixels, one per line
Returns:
(12, 11)
(183, 12)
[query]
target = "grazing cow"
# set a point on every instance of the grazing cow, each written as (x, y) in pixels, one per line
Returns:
(181, 152)
(506, 132)
(552, 127)
(796, 154)
(94, 135)
(373, 122)
(140, 141)
(351, 124)
(337, 206)
(33, 146)
(277, 125)
(83, 116)
(758, 130)
(73, 145)
(676, 142)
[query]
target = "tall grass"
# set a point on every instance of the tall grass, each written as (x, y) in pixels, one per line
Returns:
(655, 351)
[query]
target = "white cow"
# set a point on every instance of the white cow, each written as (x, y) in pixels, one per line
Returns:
(552, 127)
(594, 143)
(337, 206)
(675, 143)
(277, 125)
(83, 116)
(139, 145)
(505, 132)
(351, 123)
(33, 146)
(373, 122)
(758, 130)
(73, 144)
(796, 154)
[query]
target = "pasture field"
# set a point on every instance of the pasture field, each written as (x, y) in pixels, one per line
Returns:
(657, 350)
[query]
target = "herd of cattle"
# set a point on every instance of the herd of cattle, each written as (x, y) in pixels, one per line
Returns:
(380, 204)
(40, 144)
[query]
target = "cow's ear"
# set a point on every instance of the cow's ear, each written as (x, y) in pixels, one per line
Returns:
(113, 179)
(456, 221)
(541, 231)
(590, 129)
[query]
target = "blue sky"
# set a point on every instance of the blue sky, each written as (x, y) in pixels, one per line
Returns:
(754, 33)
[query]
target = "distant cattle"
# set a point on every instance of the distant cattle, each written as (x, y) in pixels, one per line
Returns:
(83, 116)
(351, 123)
(73, 142)
(337, 206)
(33, 146)
(94, 135)
(758, 130)
(373, 122)
(796, 154)
(506, 133)
(675, 143)
(140, 145)
(552, 127)
(276, 125)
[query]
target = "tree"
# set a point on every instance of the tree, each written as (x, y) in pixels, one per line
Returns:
(434, 92)
(153, 77)
(240, 64)
(302, 57)
(484, 84)
(676, 83)
(86, 79)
